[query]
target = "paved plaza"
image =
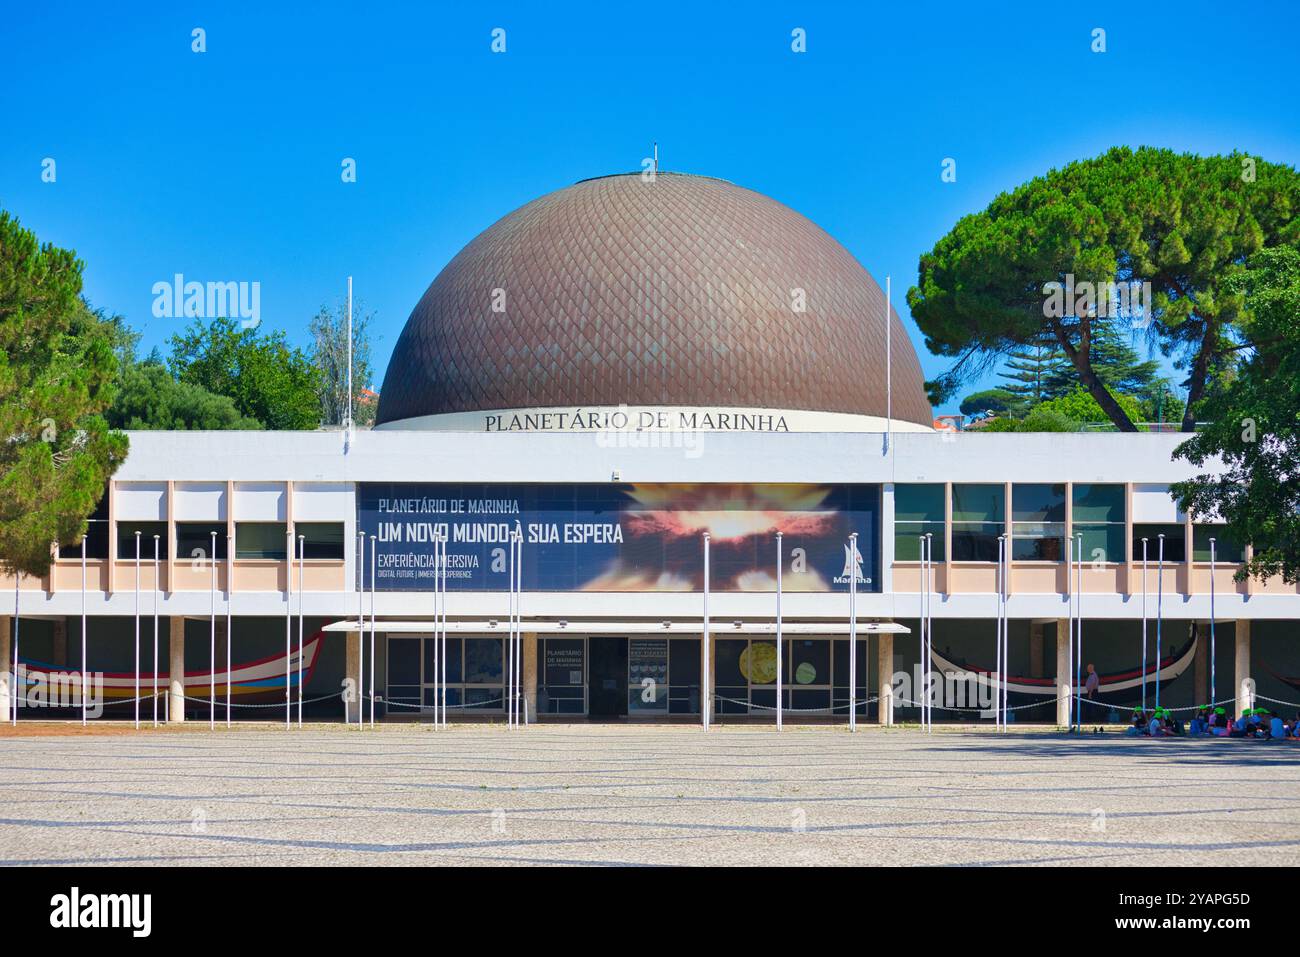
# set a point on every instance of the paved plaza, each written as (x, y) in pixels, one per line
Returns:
(619, 794)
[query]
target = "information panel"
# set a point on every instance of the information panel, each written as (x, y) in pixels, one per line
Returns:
(622, 538)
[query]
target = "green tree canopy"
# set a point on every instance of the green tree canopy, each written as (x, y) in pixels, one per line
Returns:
(267, 379)
(997, 401)
(149, 398)
(1254, 428)
(1183, 223)
(329, 333)
(57, 368)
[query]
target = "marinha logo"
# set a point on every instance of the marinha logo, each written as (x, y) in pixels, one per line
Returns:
(78, 910)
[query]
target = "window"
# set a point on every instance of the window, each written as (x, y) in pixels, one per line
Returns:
(126, 539)
(1038, 523)
(321, 539)
(260, 540)
(1099, 517)
(1175, 542)
(1225, 549)
(194, 540)
(96, 539)
(918, 510)
(978, 518)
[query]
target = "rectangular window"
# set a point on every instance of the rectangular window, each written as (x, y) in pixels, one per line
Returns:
(126, 539)
(260, 540)
(96, 540)
(918, 510)
(1098, 513)
(194, 540)
(320, 539)
(1038, 522)
(1175, 543)
(978, 518)
(1225, 549)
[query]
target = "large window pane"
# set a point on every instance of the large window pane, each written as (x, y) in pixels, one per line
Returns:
(976, 541)
(1225, 549)
(907, 541)
(1098, 503)
(126, 539)
(260, 540)
(96, 540)
(1038, 503)
(403, 661)
(1038, 541)
(1102, 542)
(918, 503)
(194, 540)
(1175, 542)
(321, 539)
(978, 503)
(483, 661)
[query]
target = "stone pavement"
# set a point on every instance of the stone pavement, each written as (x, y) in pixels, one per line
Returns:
(627, 794)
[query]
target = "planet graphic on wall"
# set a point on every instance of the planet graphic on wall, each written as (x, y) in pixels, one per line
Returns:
(758, 664)
(805, 674)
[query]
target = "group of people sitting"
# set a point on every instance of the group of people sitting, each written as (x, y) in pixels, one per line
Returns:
(1214, 721)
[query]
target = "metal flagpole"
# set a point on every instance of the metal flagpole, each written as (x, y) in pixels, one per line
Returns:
(1073, 596)
(1078, 631)
(1006, 635)
(373, 553)
(20, 687)
(889, 362)
(361, 627)
(929, 613)
(1160, 612)
(84, 669)
(230, 630)
(853, 635)
(1212, 698)
(925, 588)
(302, 554)
(780, 687)
(1144, 627)
(288, 626)
(437, 576)
(157, 588)
(510, 637)
(997, 685)
(442, 650)
(706, 697)
(348, 424)
(212, 640)
(137, 630)
(521, 707)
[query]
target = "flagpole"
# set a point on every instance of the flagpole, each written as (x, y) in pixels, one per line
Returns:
(137, 629)
(288, 625)
(157, 588)
(1144, 627)
(212, 637)
(20, 686)
(706, 698)
(889, 363)
(997, 655)
(373, 551)
(780, 685)
(230, 629)
(348, 424)
(1160, 613)
(302, 554)
(853, 633)
(84, 670)
(361, 628)
(1078, 630)
(521, 707)
(1212, 649)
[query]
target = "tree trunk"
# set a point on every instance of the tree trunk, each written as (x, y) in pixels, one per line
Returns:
(1196, 380)
(1081, 358)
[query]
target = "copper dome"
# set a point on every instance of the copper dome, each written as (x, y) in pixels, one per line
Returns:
(679, 291)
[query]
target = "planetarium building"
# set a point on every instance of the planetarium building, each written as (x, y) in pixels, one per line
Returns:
(648, 448)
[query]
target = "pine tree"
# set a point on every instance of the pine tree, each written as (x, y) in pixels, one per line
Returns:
(1035, 374)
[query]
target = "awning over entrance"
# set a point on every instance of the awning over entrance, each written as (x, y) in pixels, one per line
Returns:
(561, 626)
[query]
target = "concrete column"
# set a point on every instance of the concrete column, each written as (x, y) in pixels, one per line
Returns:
(352, 672)
(1201, 663)
(1036, 649)
(176, 685)
(6, 663)
(528, 675)
(1243, 683)
(60, 642)
(885, 674)
(1063, 680)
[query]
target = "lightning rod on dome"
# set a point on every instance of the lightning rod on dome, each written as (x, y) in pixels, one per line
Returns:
(656, 159)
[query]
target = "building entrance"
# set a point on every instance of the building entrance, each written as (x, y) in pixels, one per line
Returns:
(607, 678)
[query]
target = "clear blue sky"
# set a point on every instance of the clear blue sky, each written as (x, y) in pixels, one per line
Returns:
(225, 165)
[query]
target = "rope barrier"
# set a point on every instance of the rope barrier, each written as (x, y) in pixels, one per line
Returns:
(763, 707)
